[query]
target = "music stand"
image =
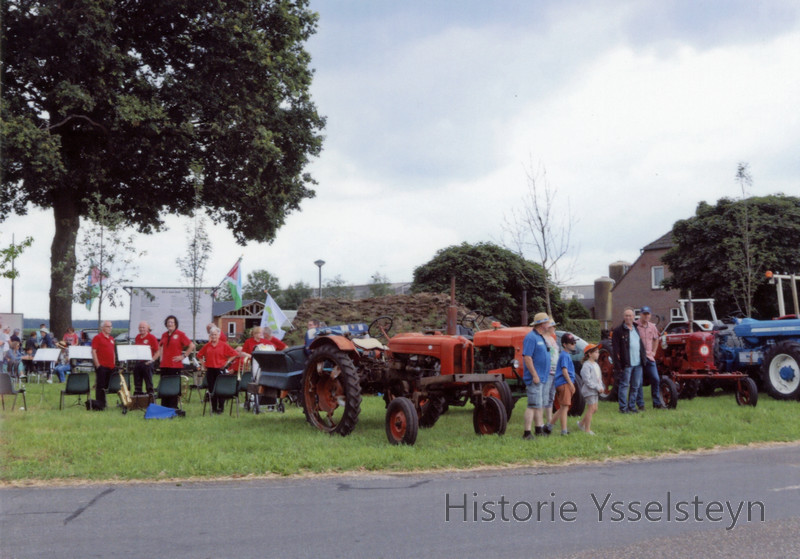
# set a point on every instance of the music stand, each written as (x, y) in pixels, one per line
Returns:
(81, 353)
(134, 353)
(46, 355)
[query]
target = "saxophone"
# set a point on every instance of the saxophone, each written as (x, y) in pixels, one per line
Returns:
(124, 392)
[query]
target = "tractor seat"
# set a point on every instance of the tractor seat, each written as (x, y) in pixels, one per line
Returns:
(368, 343)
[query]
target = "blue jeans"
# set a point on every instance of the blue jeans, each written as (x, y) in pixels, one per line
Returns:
(61, 371)
(630, 379)
(651, 371)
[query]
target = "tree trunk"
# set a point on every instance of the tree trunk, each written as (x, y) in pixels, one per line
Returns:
(63, 263)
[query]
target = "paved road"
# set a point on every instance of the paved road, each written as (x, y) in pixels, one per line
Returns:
(739, 503)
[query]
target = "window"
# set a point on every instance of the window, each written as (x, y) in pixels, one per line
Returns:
(656, 277)
(231, 329)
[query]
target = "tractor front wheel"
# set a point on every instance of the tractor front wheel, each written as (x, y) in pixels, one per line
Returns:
(502, 392)
(669, 393)
(489, 417)
(746, 392)
(331, 396)
(781, 371)
(402, 422)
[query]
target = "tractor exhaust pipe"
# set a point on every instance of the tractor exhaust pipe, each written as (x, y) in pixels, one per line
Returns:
(452, 310)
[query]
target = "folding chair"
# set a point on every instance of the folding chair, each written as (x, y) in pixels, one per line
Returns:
(227, 388)
(7, 389)
(169, 387)
(77, 385)
(115, 383)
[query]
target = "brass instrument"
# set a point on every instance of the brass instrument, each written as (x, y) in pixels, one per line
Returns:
(124, 392)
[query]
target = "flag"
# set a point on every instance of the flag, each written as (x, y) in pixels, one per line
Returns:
(273, 317)
(234, 281)
(95, 277)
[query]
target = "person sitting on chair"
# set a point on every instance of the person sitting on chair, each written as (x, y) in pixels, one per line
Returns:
(216, 355)
(62, 368)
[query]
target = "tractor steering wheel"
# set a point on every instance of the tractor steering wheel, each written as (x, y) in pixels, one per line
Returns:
(471, 319)
(380, 327)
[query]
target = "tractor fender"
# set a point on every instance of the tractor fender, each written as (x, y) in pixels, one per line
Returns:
(340, 342)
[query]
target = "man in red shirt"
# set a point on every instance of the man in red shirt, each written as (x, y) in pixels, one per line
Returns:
(143, 371)
(104, 357)
(173, 348)
(216, 355)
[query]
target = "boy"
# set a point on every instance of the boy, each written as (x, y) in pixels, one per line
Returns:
(565, 380)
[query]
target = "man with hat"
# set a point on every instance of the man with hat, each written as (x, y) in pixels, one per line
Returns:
(536, 364)
(649, 334)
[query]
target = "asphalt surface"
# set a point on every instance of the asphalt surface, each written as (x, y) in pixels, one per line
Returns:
(736, 503)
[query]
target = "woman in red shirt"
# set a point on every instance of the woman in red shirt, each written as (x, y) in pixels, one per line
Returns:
(171, 351)
(216, 355)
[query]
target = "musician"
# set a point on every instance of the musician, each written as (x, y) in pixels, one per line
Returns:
(261, 336)
(104, 358)
(216, 355)
(222, 336)
(143, 370)
(172, 349)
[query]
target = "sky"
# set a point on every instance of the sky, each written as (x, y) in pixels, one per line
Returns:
(438, 112)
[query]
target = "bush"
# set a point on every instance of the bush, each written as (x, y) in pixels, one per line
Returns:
(586, 328)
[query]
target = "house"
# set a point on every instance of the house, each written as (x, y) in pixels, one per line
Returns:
(640, 285)
(236, 322)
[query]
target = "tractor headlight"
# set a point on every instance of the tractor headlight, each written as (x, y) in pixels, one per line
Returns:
(704, 350)
(515, 364)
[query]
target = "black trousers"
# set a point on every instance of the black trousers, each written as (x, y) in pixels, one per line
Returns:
(169, 401)
(103, 376)
(217, 404)
(142, 372)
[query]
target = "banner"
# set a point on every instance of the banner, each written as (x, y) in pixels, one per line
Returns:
(273, 317)
(234, 281)
(95, 277)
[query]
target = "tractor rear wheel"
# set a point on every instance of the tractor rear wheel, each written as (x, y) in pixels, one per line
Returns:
(331, 396)
(402, 422)
(502, 392)
(430, 410)
(669, 393)
(781, 371)
(746, 392)
(489, 417)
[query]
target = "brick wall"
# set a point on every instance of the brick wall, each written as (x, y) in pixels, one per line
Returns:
(635, 289)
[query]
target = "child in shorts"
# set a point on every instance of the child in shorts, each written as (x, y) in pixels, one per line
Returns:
(592, 385)
(565, 380)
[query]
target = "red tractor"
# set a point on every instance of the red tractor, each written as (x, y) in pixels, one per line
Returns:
(687, 359)
(417, 374)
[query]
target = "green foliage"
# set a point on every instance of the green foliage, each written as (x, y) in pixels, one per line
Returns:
(489, 278)
(337, 288)
(575, 309)
(259, 282)
(586, 328)
(707, 256)
(379, 286)
(127, 99)
(293, 296)
(12, 252)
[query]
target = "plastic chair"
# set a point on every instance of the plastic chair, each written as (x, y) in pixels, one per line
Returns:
(77, 385)
(7, 389)
(244, 380)
(114, 383)
(227, 388)
(169, 387)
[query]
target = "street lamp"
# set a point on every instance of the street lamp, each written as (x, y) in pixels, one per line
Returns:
(320, 264)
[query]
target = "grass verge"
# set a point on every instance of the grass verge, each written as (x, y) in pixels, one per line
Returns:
(44, 444)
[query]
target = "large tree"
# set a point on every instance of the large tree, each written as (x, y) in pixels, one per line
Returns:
(489, 278)
(707, 256)
(132, 99)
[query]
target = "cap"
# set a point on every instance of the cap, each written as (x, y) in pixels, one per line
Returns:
(645, 310)
(590, 347)
(43, 329)
(567, 338)
(540, 318)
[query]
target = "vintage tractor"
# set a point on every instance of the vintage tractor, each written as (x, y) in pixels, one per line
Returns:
(417, 374)
(499, 350)
(687, 360)
(769, 350)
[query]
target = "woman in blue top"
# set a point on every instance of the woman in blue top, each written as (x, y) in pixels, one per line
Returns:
(565, 380)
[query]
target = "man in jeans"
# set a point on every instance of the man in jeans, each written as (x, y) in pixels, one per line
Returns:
(649, 334)
(628, 357)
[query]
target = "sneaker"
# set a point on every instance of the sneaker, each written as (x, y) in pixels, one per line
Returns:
(49, 381)
(590, 432)
(659, 407)
(580, 426)
(564, 432)
(633, 411)
(547, 428)
(623, 411)
(528, 436)
(641, 408)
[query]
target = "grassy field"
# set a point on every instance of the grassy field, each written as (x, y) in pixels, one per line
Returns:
(45, 444)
